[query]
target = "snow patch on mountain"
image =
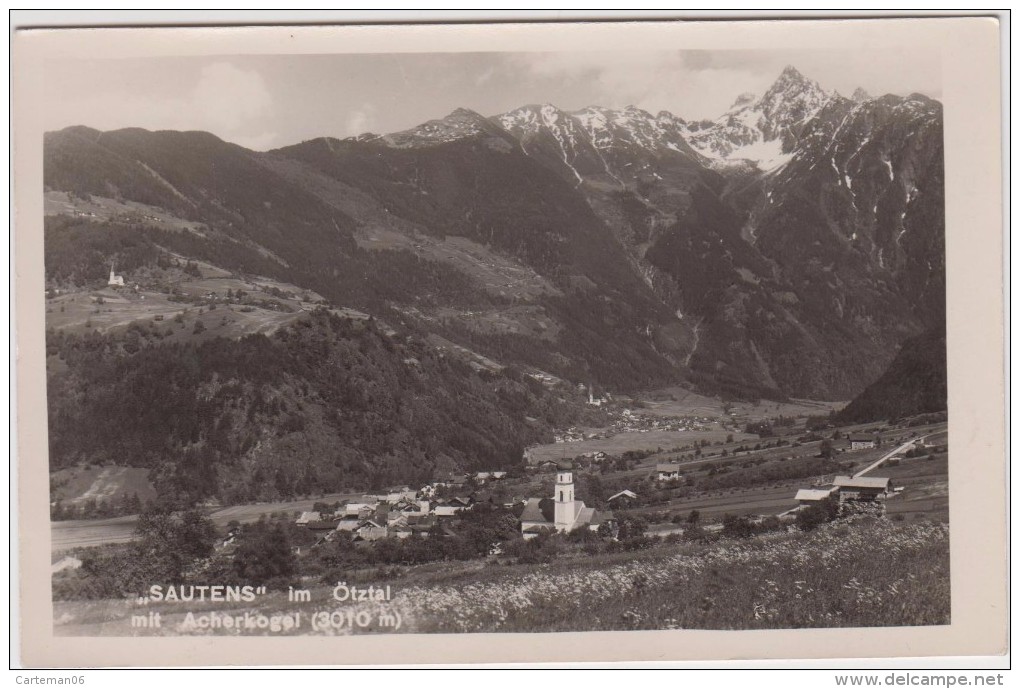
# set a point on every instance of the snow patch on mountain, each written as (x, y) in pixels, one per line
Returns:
(762, 130)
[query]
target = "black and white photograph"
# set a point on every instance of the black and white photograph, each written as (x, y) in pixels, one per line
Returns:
(601, 340)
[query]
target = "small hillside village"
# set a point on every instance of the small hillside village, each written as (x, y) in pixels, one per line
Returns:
(401, 512)
(629, 421)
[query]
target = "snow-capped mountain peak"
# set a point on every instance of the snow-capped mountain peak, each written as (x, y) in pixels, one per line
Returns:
(762, 130)
(459, 124)
(860, 95)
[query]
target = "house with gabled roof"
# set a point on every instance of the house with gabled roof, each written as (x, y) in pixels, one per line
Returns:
(321, 525)
(624, 497)
(863, 441)
(348, 524)
(861, 488)
(307, 517)
(811, 496)
(363, 503)
(448, 510)
(666, 472)
(370, 530)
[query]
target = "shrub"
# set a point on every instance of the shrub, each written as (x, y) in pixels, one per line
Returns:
(813, 516)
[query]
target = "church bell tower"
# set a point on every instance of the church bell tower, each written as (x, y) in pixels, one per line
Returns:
(566, 507)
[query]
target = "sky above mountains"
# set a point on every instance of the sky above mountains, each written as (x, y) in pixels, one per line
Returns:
(263, 102)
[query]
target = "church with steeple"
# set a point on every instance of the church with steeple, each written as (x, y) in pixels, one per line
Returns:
(115, 280)
(563, 513)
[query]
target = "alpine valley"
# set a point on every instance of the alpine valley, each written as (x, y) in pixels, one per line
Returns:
(428, 300)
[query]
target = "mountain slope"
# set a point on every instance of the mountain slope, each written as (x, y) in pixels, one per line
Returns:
(610, 245)
(481, 188)
(914, 383)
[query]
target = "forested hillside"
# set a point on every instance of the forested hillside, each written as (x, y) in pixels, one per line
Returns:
(328, 404)
(915, 383)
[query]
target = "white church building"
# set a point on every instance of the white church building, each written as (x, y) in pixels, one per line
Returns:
(115, 280)
(563, 513)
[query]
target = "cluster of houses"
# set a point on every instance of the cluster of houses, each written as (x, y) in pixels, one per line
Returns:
(633, 422)
(402, 512)
(399, 512)
(585, 460)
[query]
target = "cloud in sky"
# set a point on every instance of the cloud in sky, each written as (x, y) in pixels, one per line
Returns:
(265, 101)
(360, 120)
(233, 103)
(699, 84)
(230, 98)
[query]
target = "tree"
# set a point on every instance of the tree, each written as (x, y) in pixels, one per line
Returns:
(595, 491)
(825, 450)
(737, 527)
(170, 542)
(263, 553)
(631, 527)
(813, 516)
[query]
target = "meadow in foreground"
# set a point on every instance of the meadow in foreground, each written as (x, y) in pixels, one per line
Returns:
(856, 572)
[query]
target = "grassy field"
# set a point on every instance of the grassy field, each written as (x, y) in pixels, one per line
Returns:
(678, 401)
(99, 208)
(622, 442)
(80, 311)
(860, 572)
(78, 484)
(925, 486)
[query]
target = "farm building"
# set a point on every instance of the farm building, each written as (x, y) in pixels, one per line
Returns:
(811, 496)
(861, 488)
(863, 441)
(665, 472)
(348, 524)
(449, 510)
(370, 531)
(319, 525)
(355, 508)
(308, 517)
(623, 498)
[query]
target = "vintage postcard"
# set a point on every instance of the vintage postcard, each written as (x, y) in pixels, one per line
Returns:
(552, 342)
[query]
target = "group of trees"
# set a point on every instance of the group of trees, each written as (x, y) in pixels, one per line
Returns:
(178, 547)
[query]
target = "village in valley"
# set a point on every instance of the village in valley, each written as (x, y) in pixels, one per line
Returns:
(555, 502)
(799, 480)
